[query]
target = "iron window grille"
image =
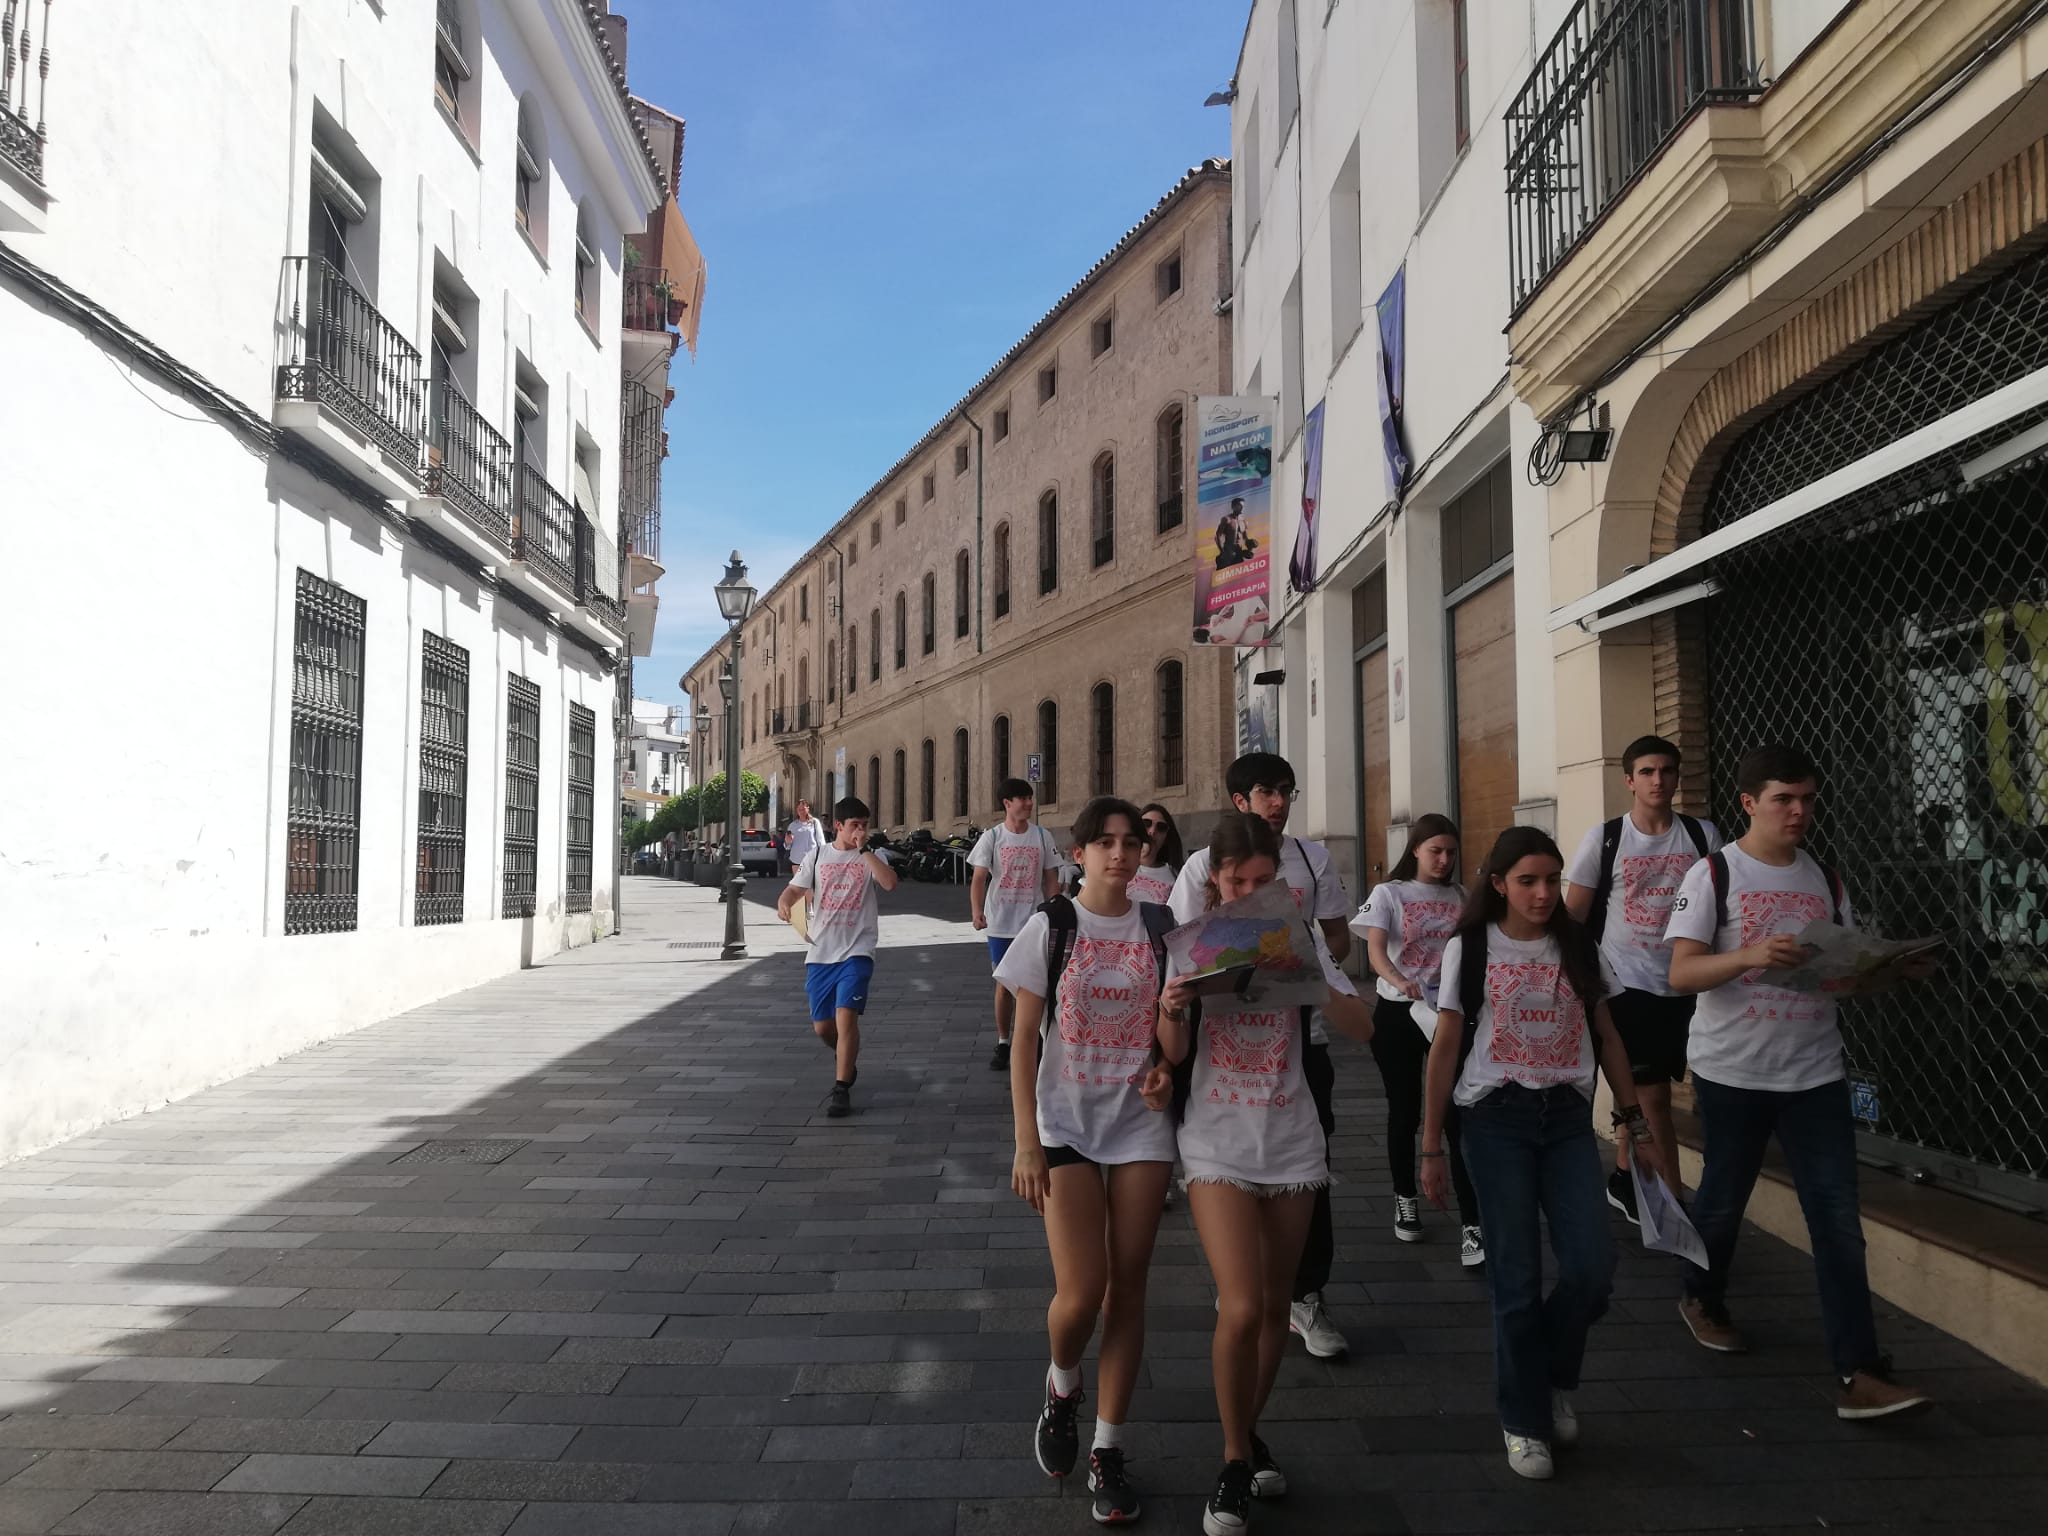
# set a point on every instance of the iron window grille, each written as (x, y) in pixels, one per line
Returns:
(444, 781)
(323, 822)
(582, 805)
(1048, 543)
(522, 795)
(1172, 467)
(1172, 746)
(902, 788)
(875, 646)
(902, 631)
(640, 455)
(1105, 509)
(927, 762)
(929, 596)
(1049, 750)
(963, 594)
(1901, 637)
(1105, 739)
(874, 784)
(999, 752)
(1002, 572)
(962, 754)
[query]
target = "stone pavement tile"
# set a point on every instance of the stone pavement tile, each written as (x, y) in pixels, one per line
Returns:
(401, 1517)
(418, 1321)
(708, 1380)
(296, 1437)
(32, 1514)
(306, 1346)
(833, 1442)
(821, 1409)
(893, 1517)
(580, 1481)
(455, 1348)
(510, 1442)
(38, 1396)
(387, 1476)
(624, 1520)
(676, 1350)
(747, 1482)
(404, 1375)
(126, 1470)
(661, 1445)
(953, 1479)
(619, 1325)
(92, 1432)
(394, 1404)
(558, 1377)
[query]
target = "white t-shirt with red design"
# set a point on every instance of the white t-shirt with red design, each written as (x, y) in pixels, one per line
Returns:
(1153, 883)
(844, 920)
(1249, 1114)
(1533, 1028)
(1417, 919)
(1750, 1032)
(1092, 1056)
(1017, 863)
(1647, 871)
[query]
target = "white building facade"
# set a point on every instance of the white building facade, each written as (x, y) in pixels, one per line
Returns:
(315, 339)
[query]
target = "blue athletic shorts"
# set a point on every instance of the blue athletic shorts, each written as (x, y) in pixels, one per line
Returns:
(997, 948)
(842, 985)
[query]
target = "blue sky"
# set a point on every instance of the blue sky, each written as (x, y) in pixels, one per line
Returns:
(888, 194)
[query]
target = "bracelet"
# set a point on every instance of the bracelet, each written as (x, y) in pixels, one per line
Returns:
(1633, 1115)
(1639, 1132)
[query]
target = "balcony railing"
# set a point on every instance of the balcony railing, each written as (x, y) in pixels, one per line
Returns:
(544, 529)
(469, 466)
(344, 356)
(640, 454)
(597, 574)
(1619, 79)
(649, 299)
(21, 141)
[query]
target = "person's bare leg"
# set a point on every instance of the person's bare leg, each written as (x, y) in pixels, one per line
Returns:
(1006, 1011)
(1227, 1221)
(1137, 1194)
(848, 1044)
(1656, 1101)
(1283, 1232)
(826, 1031)
(1076, 1228)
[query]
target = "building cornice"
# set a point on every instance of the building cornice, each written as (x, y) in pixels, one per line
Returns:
(567, 42)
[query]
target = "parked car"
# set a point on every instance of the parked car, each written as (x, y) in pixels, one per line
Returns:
(760, 853)
(647, 864)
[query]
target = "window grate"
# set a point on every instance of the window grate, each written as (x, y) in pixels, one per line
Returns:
(1172, 746)
(1907, 650)
(444, 781)
(323, 822)
(582, 804)
(522, 796)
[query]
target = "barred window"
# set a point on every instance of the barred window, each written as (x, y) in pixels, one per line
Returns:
(582, 804)
(1048, 543)
(522, 795)
(875, 646)
(902, 798)
(1172, 470)
(1172, 751)
(444, 781)
(927, 762)
(1104, 702)
(999, 751)
(1049, 750)
(323, 821)
(1103, 481)
(963, 594)
(875, 785)
(962, 754)
(929, 598)
(1002, 572)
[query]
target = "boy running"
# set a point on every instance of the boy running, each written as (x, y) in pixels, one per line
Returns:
(844, 928)
(1624, 878)
(1016, 865)
(1262, 783)
(1767, 1061)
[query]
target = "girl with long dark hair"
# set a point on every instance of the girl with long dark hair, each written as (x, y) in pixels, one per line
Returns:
(1163, 856)
(1405, 922)
(1522, 1029)
(1256, 1156)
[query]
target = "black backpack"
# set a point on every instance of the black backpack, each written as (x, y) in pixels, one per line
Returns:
(1061, 924)
(1610, 846)
(1717, 869)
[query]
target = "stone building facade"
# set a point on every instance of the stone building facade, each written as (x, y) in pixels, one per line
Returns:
(1018, 582)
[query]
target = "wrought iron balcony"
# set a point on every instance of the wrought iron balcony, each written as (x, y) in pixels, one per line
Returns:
(344, 356)
(1617, 82)
(650, 300)
(21, 142)
(598, 575)
(544, 529)
(469, 465)
(640, 455)
(806, 716)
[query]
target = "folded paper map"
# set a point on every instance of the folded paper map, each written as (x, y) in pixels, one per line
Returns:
(1838, 958)
(1265, 931)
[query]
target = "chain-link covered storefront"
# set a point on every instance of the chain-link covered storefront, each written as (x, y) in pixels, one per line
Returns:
(1900, 635)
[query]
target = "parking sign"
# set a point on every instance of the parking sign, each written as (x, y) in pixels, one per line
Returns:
(1034, 767)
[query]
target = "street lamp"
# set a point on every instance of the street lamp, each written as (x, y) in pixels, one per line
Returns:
(735, 596)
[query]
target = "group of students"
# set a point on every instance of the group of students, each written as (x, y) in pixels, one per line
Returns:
(1495, 1010)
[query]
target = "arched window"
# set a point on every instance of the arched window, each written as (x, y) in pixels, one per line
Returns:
(530, 175)
(962, 765)
(999, 752)
(803, 688)
(1048, 543)
(852, 658)
(1102, 484)
(1171, 469)
(902, 632)
(875, 646)
(456, 47)
(929, 595)
(1049, 750)
(831, 671)
(927, 796)
(1172, 752)
(875, 785)
(586, 268)
(963, 593)
(1002, 571)
(851, 789)
(1102, 706)
(902, 799)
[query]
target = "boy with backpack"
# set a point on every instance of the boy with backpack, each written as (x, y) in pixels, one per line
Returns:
(1767, 1061)
(1016, 866)
(1262, 783)
(1624, 878)
(845, 923)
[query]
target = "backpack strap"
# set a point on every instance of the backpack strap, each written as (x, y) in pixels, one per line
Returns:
(1696, 832)
(1061, 924)
(1834, 891)
(1603, 887)
(1471, 987)
(1158, 924)
(1315, 884)
(1717, 871)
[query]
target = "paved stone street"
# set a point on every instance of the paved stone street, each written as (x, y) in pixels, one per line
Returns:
(666, 1295)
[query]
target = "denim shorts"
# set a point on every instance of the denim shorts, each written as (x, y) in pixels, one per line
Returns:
(997, 948)
(843, 984)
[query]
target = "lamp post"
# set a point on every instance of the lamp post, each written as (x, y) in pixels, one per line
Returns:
(700, 749)
(735, 601)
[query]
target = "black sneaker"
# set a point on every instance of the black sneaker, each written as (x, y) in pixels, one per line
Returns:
(1116, 1501)
(1058, 1442)
(842, 1101)
(1000, 1062)
(1229, 1510)
(1621, 1194)
(1268, 1481)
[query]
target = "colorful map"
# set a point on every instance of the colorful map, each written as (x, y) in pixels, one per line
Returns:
(1262, 930)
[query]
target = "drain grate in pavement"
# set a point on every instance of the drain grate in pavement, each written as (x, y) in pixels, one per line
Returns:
(460, 1152)
(696, 943)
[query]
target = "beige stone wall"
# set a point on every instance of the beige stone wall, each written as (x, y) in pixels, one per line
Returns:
(1117, 623)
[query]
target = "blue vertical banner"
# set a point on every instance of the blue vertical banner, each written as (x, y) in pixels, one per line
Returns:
(1234, 518)
(1392, 310)
(1301, 565)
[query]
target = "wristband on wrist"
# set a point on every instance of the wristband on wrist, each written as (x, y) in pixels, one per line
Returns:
(1633, 1115)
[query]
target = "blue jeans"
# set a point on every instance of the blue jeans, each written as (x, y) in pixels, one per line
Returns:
(1531, 1152)
(1818, 1137)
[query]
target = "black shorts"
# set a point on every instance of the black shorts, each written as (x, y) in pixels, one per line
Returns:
(1062, 1157)
(1653, 1031)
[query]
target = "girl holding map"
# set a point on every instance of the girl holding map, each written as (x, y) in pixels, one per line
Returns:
(1522, 1028)
(1255, 1156)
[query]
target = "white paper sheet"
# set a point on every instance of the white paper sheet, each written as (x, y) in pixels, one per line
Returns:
(1666, 1227)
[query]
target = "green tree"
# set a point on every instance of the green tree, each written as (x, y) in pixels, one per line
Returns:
(753, 797)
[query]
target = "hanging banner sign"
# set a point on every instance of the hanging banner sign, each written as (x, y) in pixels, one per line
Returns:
(1392, 312)
(1301, 566)
(1234, 518)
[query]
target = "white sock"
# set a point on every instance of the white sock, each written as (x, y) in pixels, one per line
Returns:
(1064, 1382)
(1108, 1434)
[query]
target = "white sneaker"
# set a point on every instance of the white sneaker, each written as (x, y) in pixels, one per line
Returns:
(1529, 1458)
(1407, 1219)
(1564, 1420)
(1471, 1248)
(1309, 1319)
